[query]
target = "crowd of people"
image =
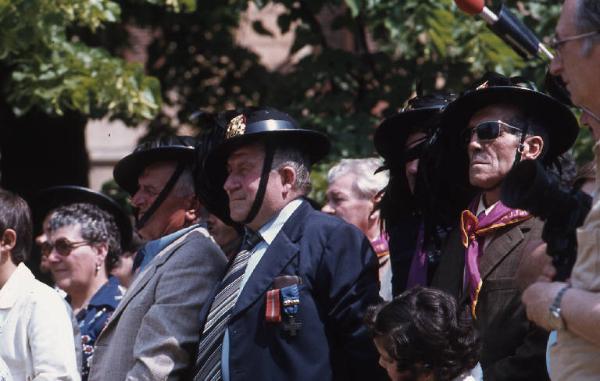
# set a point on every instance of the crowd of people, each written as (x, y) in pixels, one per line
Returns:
(425, 264)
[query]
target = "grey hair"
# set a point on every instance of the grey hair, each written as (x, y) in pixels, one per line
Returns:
(587, 19)
(366, 183)
(97, 226)
(184, 186)
(290, 156)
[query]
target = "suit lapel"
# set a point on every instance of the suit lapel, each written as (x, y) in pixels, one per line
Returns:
(280, 252)
(499, 248)
(144, 277)
(278, 255)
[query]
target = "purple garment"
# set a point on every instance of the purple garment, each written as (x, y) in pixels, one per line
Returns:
(417, 275)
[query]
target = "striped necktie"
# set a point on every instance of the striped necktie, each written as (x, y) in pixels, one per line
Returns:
(208, 362)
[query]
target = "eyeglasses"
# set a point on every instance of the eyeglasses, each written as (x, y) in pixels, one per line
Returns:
(556, 43)
(414, 152)
(62, 245)
(489, 130)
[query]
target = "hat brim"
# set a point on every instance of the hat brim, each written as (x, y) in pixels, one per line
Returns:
(314, 143)
(559, 122)
(51, 198)
(128, 170)
(392, 133)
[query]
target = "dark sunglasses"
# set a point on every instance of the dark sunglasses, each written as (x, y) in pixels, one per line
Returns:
(62, 245)
(414, 152)
(489, 130)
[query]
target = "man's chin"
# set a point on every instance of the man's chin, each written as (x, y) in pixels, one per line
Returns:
(483, 183)
(237, 215)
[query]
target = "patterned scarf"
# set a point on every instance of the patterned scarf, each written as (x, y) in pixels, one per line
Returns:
(473, 232)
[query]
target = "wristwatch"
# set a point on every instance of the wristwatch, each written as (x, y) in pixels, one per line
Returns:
(556, 320)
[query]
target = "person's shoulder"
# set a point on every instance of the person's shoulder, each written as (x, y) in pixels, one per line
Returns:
(197, 246)
(318, 220)
(321, 224)
(199, 235)
(45, 297)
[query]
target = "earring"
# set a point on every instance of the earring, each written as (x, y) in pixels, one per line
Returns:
(97, 268)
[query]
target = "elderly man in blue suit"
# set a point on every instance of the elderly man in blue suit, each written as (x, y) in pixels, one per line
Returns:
(291, 304)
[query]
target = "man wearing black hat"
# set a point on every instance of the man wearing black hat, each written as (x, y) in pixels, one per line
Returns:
(291, 304)
(500, 122)
(156, 324)
(415, 235)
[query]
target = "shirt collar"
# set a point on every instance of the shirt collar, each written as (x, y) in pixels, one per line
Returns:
(108, 295)
(15, 286)
(151, 248)
(269, 231)
(481, 207)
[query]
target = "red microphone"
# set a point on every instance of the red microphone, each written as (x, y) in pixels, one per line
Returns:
(508, 27)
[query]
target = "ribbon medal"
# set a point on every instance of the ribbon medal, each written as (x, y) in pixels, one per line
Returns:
(290, 298)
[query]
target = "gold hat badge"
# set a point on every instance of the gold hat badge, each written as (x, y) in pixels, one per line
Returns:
(236, 126)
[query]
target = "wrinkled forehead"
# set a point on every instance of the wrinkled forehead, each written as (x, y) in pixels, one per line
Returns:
(504, 112)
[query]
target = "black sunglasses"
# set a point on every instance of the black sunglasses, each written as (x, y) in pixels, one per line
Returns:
(414, 152)
(489, 130)
(62, 245)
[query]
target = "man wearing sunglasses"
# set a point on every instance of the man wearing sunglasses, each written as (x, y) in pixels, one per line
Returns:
(572, 308)
(486, 131)
(156, 324)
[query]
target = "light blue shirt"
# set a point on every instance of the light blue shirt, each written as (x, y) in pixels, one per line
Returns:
(268, 232)
(151, 248)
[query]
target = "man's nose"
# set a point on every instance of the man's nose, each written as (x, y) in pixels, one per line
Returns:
(327, 209)
(556, 65)
(230, 183)
(413, 166)
(137, 199)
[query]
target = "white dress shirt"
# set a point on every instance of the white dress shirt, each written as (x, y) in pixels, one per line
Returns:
(36, 336)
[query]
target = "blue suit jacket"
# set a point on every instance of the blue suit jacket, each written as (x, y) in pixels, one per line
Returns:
(339, 281)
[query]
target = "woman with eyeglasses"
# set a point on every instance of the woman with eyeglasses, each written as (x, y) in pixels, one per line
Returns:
(82, 247)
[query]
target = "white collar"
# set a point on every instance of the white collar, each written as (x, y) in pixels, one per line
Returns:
(269, 230)
(481, 207)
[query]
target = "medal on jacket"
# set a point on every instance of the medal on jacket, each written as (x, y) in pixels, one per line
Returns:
(290, 298)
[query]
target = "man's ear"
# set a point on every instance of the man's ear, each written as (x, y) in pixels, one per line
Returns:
(9, 240)
(532, 147)
(193, 210)
(288, 177)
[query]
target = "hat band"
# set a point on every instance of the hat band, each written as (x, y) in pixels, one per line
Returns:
(270, 125)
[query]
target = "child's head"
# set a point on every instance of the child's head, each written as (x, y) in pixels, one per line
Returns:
(15, 226)
(420, 336)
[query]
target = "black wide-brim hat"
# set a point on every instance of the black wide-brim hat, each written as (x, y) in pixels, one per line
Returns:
(242, 128)
(392, 133)
(179, 149)
(51, 198)
(556, 118)
(422, 113)
(269, 125)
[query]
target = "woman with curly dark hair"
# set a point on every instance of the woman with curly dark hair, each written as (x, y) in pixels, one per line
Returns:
(421, 336)
(82, 247)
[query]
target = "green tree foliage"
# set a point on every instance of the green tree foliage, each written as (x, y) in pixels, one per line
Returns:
(342, 89)
(47, 67)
